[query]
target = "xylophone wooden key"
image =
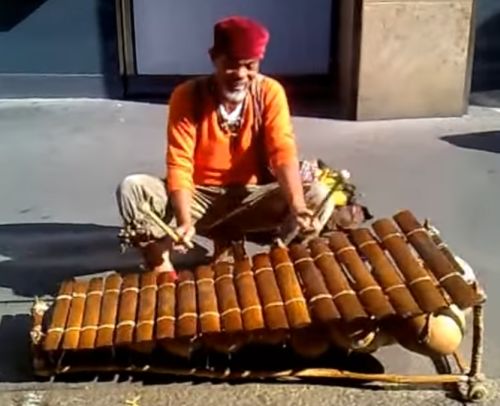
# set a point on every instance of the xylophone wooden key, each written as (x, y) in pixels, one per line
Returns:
(144, 330)
(368, 290)
(291, 292)
(91, 314)
(186, 313)
(458, 289)
(385, 273)
(207, 300)
(75, 317)
(165, 313)
(109, 310)
(417, 279)
(126, 322)
(248, 297)
(319, 299)
(343, 295)
(274, 312)
(59, 317)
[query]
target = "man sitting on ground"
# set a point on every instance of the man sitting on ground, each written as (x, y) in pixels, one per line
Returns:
(231, 153)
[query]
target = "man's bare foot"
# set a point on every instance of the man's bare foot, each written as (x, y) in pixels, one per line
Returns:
(166, 269)
(157, 258)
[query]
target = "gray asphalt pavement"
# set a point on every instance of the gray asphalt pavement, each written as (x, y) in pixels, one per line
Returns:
(61, 160)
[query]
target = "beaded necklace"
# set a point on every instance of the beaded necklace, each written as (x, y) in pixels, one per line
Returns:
(230, 122)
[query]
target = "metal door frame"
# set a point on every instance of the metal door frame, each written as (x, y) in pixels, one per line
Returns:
(153, 86)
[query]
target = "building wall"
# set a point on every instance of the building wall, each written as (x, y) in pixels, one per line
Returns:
(69, 48)
(58, 47)
(173, 37)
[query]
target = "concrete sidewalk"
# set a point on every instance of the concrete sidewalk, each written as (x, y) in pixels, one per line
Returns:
(61, 160)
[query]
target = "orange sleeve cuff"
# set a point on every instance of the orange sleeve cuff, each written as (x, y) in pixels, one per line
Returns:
(179, 179)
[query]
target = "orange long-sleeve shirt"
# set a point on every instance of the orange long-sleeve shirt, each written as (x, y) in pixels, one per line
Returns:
(214, 161)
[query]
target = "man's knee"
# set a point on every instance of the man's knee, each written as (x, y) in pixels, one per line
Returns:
(131, 185)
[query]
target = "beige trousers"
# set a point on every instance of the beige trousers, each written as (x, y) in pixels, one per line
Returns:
(248, 209)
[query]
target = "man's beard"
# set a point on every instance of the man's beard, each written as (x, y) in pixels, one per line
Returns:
(235, 96)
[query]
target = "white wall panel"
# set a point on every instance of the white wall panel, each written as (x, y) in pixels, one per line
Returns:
(173, 36)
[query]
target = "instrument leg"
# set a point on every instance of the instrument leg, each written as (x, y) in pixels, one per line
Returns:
(476, 390)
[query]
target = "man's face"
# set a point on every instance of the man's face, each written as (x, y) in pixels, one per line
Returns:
(234, 76)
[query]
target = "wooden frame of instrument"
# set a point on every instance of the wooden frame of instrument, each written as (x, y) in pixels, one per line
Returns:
(470, 375)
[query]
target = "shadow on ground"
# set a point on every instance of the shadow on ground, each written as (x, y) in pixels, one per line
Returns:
(38, 257)
(489, 99)
(484, 141)
(35, 259)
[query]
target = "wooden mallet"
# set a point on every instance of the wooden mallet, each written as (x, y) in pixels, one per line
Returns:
(146, 209)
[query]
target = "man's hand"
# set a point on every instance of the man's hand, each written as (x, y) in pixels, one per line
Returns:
(181, 201)
(186, 232)
(305, 221)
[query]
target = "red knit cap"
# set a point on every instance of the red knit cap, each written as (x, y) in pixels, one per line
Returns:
(240, 38)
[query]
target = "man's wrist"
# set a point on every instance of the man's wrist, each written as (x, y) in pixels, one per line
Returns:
(298, 206)
(184, 222)
(289, 179)
(181, 201)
